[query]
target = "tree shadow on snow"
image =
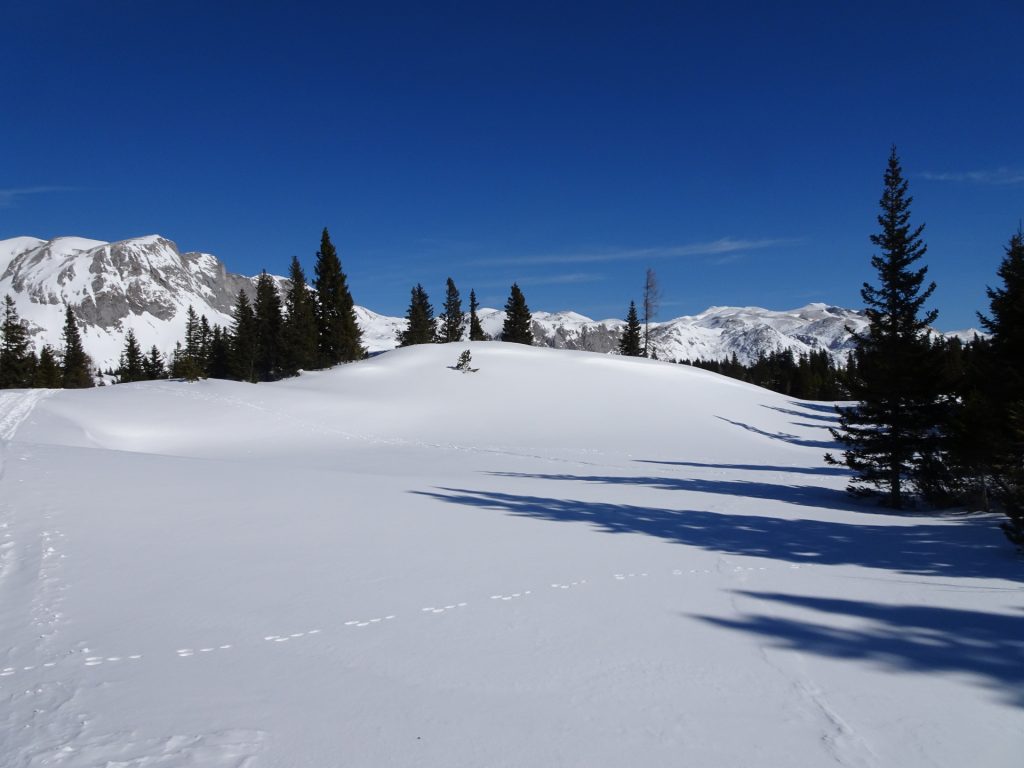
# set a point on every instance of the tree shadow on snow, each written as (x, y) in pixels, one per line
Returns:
(968, 547)
(804, 495)
(784, 436)
(812, 413)
(833, 471)
(913, 638)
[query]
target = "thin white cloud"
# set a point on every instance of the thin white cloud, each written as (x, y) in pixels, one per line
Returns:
(9, 196)
(721, 246)
(563, 279)
(994, 176)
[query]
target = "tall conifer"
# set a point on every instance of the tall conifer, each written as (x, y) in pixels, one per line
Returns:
(476, 331)
(518, 325)
(132, 367)
(299, 344)
(243, 340)
(888, 434)
(451, 323)
(269, 326)
(48, 373)
(76, 365)
(419, 318)
(16, 358)
(630, 344)
(340, 335)
(1004, 385)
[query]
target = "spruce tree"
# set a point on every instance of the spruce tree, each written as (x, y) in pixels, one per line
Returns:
(452, 323)
(299, 337)
(419, 318)
(16, 358)
(269, 328)
(218, 363)
(189, 363)
(48, 373)
(243, 340)
(132, 367)
(890, 430)
(518, 320)
(630, 343)
(339, 334)
(76, 366)
(153, 364)
(1004, 387)
(476, 331)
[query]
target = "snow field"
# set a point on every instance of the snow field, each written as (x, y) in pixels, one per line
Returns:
(564, 559)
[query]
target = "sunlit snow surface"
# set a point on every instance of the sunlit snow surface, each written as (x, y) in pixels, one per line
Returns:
(561, 559)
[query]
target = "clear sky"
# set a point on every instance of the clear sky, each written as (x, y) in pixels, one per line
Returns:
(735, 147)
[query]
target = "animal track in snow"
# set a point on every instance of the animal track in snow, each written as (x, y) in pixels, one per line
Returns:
(513, 596)
(624, 576)
(443, 608)
(570, 585)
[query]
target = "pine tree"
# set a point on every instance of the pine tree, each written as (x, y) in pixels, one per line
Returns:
(269, 328)
(48, 373)
(452, 323)
(518, 320)
(892, 427)
(340, 336)
(299, 337)
(243, 340)
(132, 367)
(476, 331)
(77, 365)
(189, 363)
(419, 320)
(629, 344)
(218, 363)
(1003, 387)
(16, 358)
(153, 364)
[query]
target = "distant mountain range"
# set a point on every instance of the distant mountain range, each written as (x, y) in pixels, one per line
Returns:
(147, 284)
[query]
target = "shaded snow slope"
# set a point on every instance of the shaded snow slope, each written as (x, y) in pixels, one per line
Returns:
(564, 559)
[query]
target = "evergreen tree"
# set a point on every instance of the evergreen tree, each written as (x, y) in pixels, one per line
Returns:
(476, 331)
(76, 365)
(892, 427)
(16, 357)
(452, 322)
(132, 367)
(243, 340)
(340, 336)
(299, 336)
(218, 363)
(188, 362)
(629, 344)
(518, 320)
(419, 320)
(153, 364)
(1003, 387)
(269, 328)
(48, 372)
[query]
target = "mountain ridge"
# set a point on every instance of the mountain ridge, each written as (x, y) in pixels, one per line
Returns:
(146, 284)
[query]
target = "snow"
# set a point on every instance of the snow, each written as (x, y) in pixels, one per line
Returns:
(562, 559)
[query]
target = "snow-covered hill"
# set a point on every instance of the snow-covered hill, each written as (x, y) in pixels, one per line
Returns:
(563, 559)
(146, 284)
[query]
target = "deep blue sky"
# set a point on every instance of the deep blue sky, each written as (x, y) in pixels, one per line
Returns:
(738, 150)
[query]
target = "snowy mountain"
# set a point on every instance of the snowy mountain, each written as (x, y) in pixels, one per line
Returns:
(147, 284)
(521, 566)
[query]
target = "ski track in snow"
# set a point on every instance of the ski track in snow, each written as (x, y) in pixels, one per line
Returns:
(86, 657)
(16, 406)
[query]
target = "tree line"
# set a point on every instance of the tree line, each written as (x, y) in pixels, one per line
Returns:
(934, 423)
